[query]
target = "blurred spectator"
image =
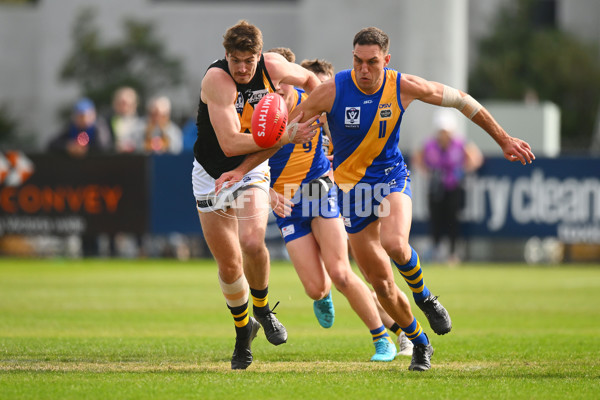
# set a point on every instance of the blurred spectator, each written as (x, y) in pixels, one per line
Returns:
(86, 132)
(124, 121)
(446, 158)
(190, 133)
(159, 133)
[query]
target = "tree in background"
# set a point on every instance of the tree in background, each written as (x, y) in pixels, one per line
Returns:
(12, 134)
(139, 60)
(525, 54)
(8, 127)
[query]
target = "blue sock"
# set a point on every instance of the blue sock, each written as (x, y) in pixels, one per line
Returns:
(413, 275)
(379, 333)
(415, 334)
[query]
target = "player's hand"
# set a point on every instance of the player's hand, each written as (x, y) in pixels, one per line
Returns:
(518, 150)
(303, 132)
(280, 205)
(228, 179)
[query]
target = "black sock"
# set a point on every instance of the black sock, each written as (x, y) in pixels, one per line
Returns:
(396, 329)
(260, 301)
(240, 318)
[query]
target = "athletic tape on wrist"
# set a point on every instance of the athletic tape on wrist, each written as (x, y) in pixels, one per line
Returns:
(292, 129)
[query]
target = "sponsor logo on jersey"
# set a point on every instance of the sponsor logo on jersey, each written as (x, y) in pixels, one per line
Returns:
(352, 120)
(368, 102)
(255, 96)
(252, 97)
(288, 230)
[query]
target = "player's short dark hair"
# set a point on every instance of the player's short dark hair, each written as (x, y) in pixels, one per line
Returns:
(318, 66)
(286, 52)
(372, 35)
(243, 36)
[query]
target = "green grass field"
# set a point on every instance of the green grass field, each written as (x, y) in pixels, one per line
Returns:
(160, 330)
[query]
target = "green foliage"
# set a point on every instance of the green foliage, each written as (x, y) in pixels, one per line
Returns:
(12, 134)
(522, 56)
(138, 60)
(8, 125)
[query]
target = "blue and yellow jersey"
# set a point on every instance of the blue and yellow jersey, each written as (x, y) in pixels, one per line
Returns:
(365, 130)
(295, 164)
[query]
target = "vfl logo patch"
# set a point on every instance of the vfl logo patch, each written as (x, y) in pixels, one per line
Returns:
(239, 103)
(347, 221)
(352, 119)
(287, 230)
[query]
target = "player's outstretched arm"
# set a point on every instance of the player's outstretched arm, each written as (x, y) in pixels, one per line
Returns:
(514, 149)
(303, 131)
(283, 71)
(320, 101)
(416, 88)
(300, 132)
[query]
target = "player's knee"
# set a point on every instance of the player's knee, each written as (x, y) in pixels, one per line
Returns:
(252, 244)
(230, 271)
(316, 292)
(340, 279)
(384, 287)
(397, 248)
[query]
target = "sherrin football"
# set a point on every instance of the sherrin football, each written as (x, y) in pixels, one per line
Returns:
(269, 120)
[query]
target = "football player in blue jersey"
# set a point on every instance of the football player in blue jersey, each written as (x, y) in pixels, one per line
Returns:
(364, 109)
(313, 232)
(324, 70)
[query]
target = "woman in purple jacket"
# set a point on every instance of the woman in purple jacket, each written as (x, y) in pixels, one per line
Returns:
(446, 158)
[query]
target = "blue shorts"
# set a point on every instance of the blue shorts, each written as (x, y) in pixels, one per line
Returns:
(360, 206)
(298, 223)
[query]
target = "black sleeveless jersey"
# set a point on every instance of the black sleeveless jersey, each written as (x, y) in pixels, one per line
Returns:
(207, 150)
